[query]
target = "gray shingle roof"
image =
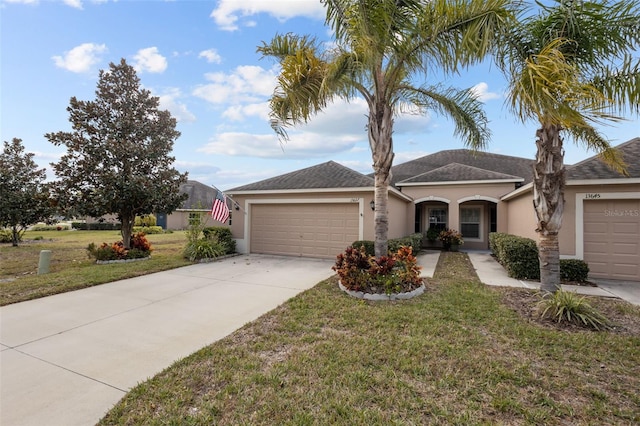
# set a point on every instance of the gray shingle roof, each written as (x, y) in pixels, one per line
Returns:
(513, 166)
(595, 168)
(456, 172)
(325, 175)
(200, 195)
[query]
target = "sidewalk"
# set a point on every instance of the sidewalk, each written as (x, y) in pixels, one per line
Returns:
(490, 272)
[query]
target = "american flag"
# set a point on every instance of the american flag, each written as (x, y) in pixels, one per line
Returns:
(219, 209)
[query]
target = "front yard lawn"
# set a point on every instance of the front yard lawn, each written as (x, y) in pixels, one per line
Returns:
(461, 353)
(71, 268)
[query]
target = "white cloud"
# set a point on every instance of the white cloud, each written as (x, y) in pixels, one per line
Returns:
(211, 55)
(241, 112)
(246, 83)
(81, 58)
(483, 94)
(403, 157)
(74, 3)
(229, 12)
(179, 111)
(299, 145)
(149, 60)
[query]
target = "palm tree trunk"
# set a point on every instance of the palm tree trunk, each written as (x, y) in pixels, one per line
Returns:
(380, 129)
(548, 201)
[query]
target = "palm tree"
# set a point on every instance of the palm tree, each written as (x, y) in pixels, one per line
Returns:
(570, 67)
(382, 47)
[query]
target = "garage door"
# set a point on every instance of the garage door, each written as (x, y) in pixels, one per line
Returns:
(611, 238)
(312, 230)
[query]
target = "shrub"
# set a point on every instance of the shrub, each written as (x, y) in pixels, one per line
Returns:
(6, 236)
(146, 221)
(518, 255)
(44, 227)
(222, 235)
(369, 246)
(574, 270)
(414, 241)
(520, 258)
(567, 306)
(396, 273)
(432, 234)
(149, 229)
(98, 226)
(140, 247)
(450, 237)
(203, 249)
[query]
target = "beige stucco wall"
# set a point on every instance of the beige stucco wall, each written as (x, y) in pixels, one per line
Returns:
(522, 219)
(400, 210)
(180, 219)
(465, 194)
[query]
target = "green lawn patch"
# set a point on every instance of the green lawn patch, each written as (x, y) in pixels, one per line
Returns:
(458, 354)
(71, 268)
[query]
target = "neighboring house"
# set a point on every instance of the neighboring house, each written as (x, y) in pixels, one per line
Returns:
(320, 210)
(199, 201)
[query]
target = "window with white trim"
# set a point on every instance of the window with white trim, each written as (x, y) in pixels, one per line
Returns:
(470, 220)
(438, 218)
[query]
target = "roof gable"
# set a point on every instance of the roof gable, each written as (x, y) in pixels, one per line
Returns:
(504, 164)
(455, 172)
(200, 195)
(326, 175)
(595, 168)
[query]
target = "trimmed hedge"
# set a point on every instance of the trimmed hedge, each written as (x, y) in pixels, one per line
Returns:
(148, 229)
(519, 256)
(574, 270)
(98, 226)
(414, 241)
(222, 235)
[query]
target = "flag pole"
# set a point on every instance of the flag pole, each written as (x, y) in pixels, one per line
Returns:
(234, 202)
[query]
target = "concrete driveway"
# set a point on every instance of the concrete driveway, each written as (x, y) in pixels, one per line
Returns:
(66, 359)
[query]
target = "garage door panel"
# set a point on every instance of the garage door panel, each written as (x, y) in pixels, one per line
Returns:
(315, 230)
(611, 238)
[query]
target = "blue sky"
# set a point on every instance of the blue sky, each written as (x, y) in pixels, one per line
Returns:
(200, 58)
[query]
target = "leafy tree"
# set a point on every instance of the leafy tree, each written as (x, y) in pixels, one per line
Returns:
(383, 48)
(117, 159)
(24, 198)
(570, 66)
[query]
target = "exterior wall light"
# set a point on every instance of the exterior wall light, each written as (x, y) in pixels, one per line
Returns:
(372, 204)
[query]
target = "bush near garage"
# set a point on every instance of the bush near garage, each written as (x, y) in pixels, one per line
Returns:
(414, 241)
(574, 270)
(519, 256)
(98, 226)
(222, 235)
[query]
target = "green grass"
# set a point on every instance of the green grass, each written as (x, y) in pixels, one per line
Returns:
(71, 268)
(455, 355)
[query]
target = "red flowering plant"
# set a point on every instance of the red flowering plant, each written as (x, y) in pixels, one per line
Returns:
(396, 273)
(140, 248)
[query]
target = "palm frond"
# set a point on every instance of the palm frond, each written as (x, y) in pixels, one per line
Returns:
(593, 140)
(461, 106)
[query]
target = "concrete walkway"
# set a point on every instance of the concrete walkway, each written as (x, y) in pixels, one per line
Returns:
(492, 273)
(66, 359)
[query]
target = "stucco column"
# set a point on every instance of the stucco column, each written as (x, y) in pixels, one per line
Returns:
(454, 216)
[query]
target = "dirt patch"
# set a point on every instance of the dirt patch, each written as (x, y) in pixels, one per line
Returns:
(624, 316)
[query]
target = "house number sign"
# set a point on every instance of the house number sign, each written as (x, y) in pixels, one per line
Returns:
(592, 196)
(355, 200)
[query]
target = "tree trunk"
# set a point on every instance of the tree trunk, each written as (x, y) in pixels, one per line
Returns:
(126, 229)
(548, 201)
(379, 130)
(15, 236)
